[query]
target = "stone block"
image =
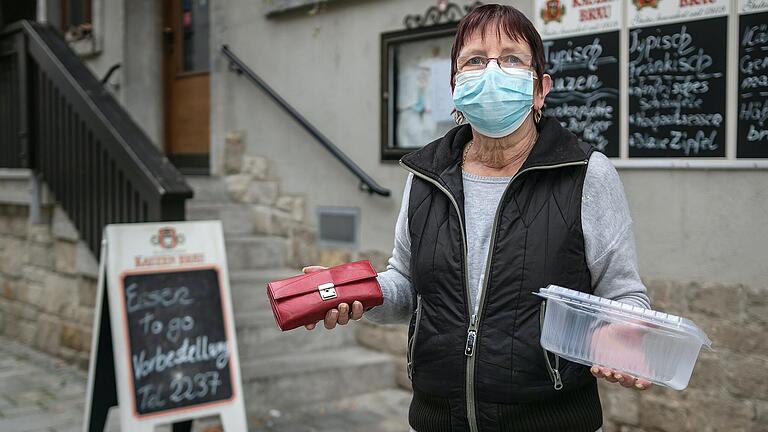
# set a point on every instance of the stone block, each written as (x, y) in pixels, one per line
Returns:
(39, 233)
(330, 257)
(282, 223)
(748, 338)
(658, 412)
(256, 166)
(667, 296)
(26, 332)
(303, 250)
(65, 256)
(234, 150)
(708, 374)
(237, 185)
(746, 376)
(12, 317)
(48, 334)
(761, 416)
(261, 218)
(27, 312)
(85, 316)
(62, 227)
(757, 304)
(715, 414)
(19, 222)
(34, 274)
(392, 338)
(620, 404)
(12, 256)
(34, 294)
(294, 205)
(260, 192)
(721, 301)
(378, 259)
(60, 292)
(86, 292)
(40, 255)
(85, 263)
(75, 337)
(9, 288)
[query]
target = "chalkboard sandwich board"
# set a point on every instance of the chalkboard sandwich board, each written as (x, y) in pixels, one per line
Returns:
(164, 346)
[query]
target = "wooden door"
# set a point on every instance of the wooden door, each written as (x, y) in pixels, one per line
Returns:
(187, 91)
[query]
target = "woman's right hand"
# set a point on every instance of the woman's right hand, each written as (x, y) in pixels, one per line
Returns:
(339, 315)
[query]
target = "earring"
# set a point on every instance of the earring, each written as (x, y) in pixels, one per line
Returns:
(537, 114)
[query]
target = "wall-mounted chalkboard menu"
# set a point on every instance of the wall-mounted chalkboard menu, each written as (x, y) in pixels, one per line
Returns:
(677, 89)
(585, 87)
(752, 104)
(178, 344)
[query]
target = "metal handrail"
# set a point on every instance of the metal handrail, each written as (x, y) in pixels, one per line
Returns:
(100, 165)
(367, 183)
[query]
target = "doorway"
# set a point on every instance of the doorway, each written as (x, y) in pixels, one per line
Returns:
(186, 70)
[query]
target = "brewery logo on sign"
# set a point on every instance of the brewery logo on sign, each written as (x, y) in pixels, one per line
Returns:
(167, 238)
(639, 4)
(552, 11)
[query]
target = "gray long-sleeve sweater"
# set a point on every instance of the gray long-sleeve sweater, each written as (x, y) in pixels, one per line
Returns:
(606, 224)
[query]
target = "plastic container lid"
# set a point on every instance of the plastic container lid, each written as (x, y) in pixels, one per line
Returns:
(634, 314)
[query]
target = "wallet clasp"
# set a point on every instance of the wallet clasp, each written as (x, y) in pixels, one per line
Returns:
(327, 291)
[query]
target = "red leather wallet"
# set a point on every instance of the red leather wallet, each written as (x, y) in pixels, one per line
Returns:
(306, 298)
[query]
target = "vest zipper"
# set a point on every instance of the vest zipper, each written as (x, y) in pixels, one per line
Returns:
(412, 342)
(474, 321)
(554, 372)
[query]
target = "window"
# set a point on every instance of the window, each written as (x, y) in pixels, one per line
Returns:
(76, 19)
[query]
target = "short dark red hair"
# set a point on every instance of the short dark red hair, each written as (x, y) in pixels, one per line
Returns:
(499, 18)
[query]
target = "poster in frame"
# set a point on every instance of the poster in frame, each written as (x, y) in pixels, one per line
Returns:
(416, 102)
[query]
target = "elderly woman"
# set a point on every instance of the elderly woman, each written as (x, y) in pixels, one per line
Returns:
(493, 211)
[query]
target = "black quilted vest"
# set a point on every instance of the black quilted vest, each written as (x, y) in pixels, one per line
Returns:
(494, 374)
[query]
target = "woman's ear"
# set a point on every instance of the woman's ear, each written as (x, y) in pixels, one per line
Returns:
(546, 86)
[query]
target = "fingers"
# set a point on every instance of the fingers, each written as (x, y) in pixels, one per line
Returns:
(343, 313)
(625, 380)
(357, 310)
(331, 319)
(340, 315)
(642, 384)
(312, 269)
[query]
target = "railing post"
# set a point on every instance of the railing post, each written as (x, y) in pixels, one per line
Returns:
(24, 111)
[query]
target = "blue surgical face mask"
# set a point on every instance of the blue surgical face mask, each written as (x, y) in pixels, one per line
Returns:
(494, 101)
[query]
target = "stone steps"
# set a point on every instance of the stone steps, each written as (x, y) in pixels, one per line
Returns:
(327, 375)
(208, 189)
(281, 370)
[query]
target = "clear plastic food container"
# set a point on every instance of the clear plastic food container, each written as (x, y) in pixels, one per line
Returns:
(587, 329)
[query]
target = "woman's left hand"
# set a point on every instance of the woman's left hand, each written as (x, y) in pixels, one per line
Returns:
(619, 344)
(625, 380)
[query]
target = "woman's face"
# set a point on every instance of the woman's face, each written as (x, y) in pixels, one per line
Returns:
(493, 45)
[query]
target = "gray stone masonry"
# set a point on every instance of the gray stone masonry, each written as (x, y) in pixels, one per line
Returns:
(47, 283)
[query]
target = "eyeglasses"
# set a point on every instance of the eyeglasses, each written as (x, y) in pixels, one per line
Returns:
(478, 62)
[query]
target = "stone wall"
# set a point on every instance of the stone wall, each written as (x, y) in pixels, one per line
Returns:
(47, 283)
(729, 387)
